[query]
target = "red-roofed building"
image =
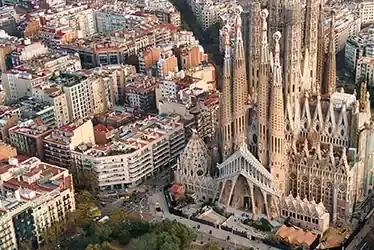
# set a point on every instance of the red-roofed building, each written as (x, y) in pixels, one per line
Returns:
(62, 140)
(103, 133)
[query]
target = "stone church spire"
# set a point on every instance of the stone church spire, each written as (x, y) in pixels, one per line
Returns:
(311, 45)
(254, 41)
(293, 58)
(226, 101)
(263, 93)
(321, 50)
(239, 84)
(277, 128)
(329, 81)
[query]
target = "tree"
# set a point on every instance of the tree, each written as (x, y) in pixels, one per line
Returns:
(145, 242)
(25, 245)
(211, 246)
(117, 215)
(168, 241)
(100, 230)
(86, 197)
(124, 237)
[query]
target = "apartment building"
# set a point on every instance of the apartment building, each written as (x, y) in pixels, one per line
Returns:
(207, 13)
(198, 107)
(110, 19)
(35, 195)
(26, 51)
(32, 108)
(61, 141)
(140, 92)
(366, 9)
(164, 10)
(78, 91)
(191, 56)
(347, 24)
(115, 49)
(53, 95)
(80, 18)
(358, 46)
(206, 72)
(186, 38)
(9, 117)
(8, 23)
(172, 88)
(117, 74)
(21, 80)
(365, 70)
(28, 137)
(104, 89)
(139, 150)
(30, 28)
(167, 64)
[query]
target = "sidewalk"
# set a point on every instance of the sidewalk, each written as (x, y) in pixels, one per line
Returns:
(217, 234)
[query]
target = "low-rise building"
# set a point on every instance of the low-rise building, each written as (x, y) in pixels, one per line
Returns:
(62, 140)
(35, 195)
(137, 151)
(28, 137)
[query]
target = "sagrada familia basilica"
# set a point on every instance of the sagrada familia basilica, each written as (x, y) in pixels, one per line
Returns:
(288, 136)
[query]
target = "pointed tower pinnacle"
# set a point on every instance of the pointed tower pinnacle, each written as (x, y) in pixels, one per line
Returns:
(292, 56)
(277, 128)
(311, 45)
(321, 51)
(329, 81)
(363, 97)
(239, 84)
(226, 101)
(263, 93)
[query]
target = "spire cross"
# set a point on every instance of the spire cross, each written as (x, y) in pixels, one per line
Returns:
(264, 15)
(277, 36)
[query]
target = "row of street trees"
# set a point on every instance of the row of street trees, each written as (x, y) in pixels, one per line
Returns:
(80, 232)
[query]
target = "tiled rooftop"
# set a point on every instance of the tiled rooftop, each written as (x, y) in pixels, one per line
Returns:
(135, 136)
(31, 128)
(29, 180)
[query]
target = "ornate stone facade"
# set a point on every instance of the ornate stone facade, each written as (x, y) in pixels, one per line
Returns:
(324, 149)
(193, 170)
(306, 214)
